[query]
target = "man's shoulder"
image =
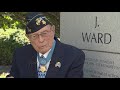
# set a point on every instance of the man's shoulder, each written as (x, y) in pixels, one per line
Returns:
(24, 48)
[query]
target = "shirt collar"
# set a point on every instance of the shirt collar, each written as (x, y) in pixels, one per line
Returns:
(46, 54)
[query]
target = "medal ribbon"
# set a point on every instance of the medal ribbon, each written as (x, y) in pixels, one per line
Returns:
(43, 61)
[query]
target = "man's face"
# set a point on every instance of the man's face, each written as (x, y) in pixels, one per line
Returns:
(42, 40)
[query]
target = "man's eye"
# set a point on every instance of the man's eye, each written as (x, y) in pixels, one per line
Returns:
(44, 33)
(33, 36)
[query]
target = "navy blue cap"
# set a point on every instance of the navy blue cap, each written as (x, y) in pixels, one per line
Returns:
(36, 21)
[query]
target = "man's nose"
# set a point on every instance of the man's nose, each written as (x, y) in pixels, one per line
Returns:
(41, 39)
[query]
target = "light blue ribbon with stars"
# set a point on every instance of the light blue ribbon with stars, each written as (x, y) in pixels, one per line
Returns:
(44, 61)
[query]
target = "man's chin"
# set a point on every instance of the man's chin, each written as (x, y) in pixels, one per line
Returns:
(41, 51)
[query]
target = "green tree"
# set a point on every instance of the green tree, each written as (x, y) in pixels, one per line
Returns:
(16, 20)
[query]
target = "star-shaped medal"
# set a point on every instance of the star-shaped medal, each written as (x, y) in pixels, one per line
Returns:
(43, 68)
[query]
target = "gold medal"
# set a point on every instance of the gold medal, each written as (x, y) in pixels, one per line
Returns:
(43, 68)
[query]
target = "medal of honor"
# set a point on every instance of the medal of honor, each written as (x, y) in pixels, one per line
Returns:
(43, 62)
(43, 68)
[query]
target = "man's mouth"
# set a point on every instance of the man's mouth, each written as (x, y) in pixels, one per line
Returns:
(41, 46)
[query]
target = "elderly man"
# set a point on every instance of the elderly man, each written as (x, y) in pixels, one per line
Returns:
(46, 56)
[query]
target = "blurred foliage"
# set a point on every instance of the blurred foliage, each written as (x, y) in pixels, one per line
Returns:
(9, 41)
(12, 20)
(3, 75)
(16, 20)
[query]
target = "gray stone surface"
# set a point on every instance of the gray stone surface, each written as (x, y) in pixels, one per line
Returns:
(102, 45)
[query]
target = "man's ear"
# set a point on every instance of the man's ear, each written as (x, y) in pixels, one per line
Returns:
(53, 28)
